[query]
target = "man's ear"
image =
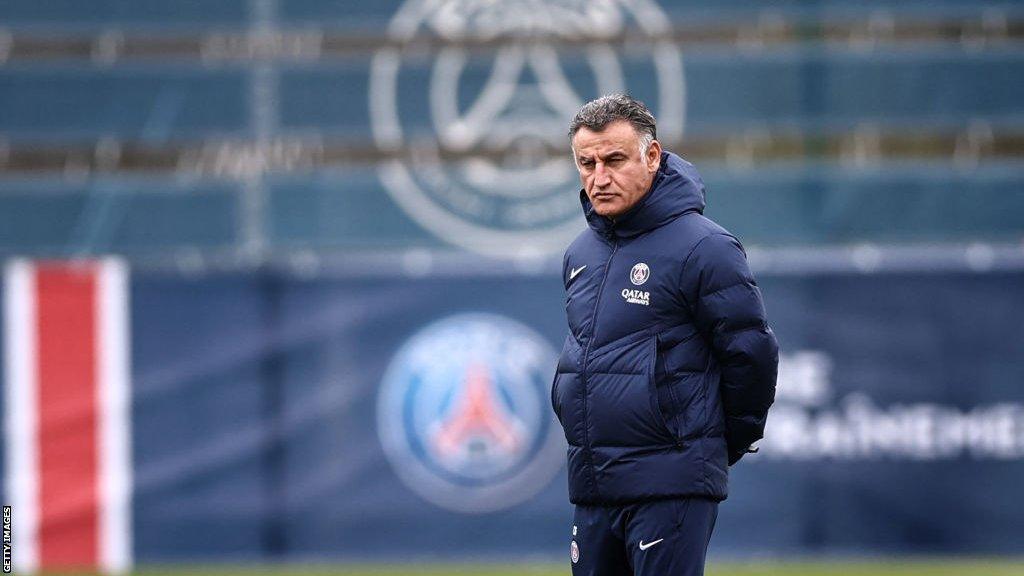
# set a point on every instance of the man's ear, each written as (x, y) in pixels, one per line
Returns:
(653, 156)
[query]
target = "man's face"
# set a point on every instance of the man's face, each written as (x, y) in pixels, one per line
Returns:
(614, 174)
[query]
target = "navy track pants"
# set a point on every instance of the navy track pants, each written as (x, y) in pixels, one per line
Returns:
(659, 538)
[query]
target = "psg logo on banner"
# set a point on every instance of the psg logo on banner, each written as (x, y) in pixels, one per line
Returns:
(513, 101)
(464, 413)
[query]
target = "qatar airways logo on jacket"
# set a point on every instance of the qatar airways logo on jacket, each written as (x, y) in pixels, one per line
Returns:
(637, 296)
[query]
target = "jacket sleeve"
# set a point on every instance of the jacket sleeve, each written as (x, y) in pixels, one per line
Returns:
(728, 310)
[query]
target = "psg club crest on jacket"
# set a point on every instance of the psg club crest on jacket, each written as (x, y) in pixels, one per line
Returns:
(639, 274)
(464, 417)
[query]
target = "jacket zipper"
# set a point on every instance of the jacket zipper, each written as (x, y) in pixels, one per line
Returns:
(586, 361)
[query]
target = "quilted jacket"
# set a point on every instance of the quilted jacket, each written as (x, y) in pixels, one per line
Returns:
(669, 368)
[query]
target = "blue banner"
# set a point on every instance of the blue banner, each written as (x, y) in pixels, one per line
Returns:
(402, 417)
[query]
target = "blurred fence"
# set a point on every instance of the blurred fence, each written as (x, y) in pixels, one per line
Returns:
(260, 128)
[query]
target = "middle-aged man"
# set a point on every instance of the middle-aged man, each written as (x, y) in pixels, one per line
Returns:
(669, 369)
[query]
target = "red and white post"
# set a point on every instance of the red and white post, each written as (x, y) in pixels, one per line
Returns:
(67, 414)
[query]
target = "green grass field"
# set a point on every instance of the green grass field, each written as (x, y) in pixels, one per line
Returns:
(867, 568)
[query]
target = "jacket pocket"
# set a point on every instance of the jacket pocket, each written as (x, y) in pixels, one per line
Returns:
(656, 402)
(620, 406)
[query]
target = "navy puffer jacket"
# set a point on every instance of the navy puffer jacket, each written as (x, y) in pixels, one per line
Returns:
(669, 368)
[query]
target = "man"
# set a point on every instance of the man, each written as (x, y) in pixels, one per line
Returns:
(669, 369)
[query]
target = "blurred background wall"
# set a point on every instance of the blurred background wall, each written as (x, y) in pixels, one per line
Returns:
(333, 218)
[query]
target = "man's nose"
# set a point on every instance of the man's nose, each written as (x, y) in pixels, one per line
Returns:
(601, 176)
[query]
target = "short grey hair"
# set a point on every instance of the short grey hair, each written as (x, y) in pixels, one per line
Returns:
(597, 114)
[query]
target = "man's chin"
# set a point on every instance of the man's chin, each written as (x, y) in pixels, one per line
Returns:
(607, 208)
(608, 211)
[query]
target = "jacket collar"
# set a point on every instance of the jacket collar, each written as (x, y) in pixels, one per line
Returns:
(677, 189)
